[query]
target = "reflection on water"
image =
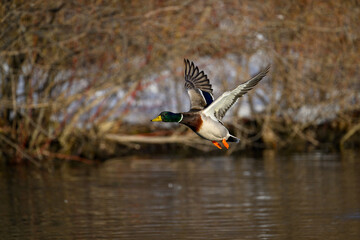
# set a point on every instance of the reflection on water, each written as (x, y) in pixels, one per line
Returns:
(308, 196)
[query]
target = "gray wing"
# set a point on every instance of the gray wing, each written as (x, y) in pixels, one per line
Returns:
(218, 109)
(198, 87)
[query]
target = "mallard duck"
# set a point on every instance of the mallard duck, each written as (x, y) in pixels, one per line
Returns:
(205, 114)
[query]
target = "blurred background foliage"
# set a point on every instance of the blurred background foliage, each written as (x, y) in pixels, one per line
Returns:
(73, 72)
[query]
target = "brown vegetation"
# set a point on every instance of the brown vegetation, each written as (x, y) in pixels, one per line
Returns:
(56, 56)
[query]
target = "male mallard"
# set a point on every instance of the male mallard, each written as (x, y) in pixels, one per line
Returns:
(205, 114)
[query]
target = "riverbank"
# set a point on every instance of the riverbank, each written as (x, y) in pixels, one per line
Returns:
(145, 140)
(97, 144)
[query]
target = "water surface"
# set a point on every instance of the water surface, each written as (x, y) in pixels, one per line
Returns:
(302, 196)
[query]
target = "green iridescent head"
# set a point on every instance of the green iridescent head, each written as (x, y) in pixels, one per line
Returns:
(168, 117)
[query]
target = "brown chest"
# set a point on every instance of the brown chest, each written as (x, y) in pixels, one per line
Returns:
(192, 120)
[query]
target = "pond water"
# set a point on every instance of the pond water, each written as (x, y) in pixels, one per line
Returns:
(300, 196)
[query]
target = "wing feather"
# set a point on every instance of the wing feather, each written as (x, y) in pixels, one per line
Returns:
(219, 107)
(197, 83)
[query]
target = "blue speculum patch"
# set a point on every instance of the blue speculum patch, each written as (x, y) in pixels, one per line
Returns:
(208, 98)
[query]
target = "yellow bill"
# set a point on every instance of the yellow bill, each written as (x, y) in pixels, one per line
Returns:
(157, 119)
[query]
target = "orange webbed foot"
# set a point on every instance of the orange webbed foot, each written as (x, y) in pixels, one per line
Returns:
(216, 144)
(225, 143)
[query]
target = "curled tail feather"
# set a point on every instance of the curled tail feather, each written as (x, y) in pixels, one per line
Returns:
(233, 139)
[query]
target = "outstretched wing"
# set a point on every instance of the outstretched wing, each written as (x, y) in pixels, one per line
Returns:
(198, 87)
(219, 108)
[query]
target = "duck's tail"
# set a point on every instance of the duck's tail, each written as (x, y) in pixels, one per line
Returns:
(233, 139)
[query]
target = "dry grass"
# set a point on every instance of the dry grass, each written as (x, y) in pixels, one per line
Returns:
(55, 56)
